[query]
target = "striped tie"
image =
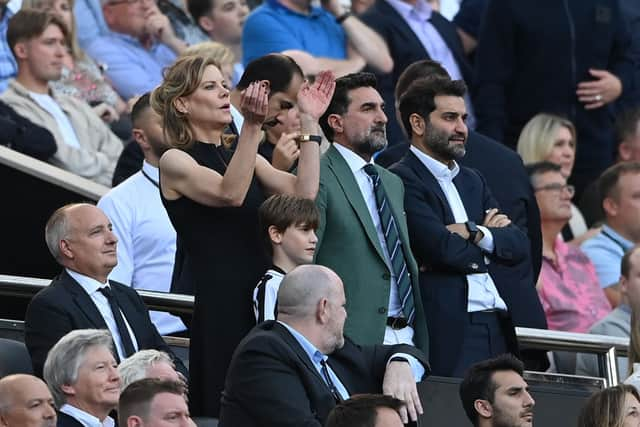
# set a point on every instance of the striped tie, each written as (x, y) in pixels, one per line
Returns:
(394, 246)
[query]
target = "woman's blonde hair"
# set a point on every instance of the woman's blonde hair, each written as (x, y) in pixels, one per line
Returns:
(538, 136)
(180, 79)
(217, 51)
(47, 5)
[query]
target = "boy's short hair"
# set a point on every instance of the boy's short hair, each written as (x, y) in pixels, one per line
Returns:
(283, 211)
(28, 24)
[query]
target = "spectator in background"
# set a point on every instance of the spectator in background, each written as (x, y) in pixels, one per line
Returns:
(79, 237)
(152, 402)
(222, 21)
(220, 53)
(414, 31)
(317, 38)
(547, 137)
(468, 20)
(147, 364)
(568, 285)
(494, 394)
(366, 410)
(83, 378)
(618, 187)
(628, 150)
(8, 65)
(618, 322)
(613, 406)
(85, 145)
(181, 21)
(25, 401)
(576, 74)
(139, 45)
(146, 238)
(287, 227)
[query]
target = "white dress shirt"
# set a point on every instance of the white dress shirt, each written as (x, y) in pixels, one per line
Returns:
(146, 239)
(61, 118)
(86, 419)
(91, 287)
(483, 294)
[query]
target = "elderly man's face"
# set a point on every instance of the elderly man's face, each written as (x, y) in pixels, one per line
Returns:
(97, 388)
(129, 16)
(30, 404)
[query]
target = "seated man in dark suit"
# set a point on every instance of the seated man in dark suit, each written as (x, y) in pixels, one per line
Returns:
(80, 238)
(467, 314)
(294, 370)
(83, 378)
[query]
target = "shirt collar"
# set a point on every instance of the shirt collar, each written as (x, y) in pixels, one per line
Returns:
(627, 243)
(422, 10)
(354, 161)
(89, 284)
(437, 169)
(313, 11)
(151, 171)
(85, 418)
(314, 354)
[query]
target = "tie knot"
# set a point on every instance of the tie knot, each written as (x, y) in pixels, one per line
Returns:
(371, 170)
(106, 291)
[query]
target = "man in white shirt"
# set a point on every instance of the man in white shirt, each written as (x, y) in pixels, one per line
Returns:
(147, 240)
(86, 145)
(81, 239)
(82, 375)
(357, 201)
(468, 318)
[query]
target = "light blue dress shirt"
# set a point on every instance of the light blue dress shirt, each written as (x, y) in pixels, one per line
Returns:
(8, 65)
(605, 250)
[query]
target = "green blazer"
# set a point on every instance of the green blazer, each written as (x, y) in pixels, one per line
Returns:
(349, 245)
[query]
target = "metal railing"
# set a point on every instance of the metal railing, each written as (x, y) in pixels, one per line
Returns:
(606, 348)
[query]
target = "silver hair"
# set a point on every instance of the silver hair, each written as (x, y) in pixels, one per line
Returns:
(135, 367)
(65, 358)
(58, 228)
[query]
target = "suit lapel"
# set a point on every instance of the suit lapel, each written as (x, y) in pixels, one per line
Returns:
(467, 188)
(400, 26)
(83, 301)
(298, 350)
(425, 176)
(349, 186)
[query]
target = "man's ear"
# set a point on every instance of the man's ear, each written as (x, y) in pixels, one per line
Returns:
(418, 124)
(65, 249)
(141, 138)
(322, 311)
(624, 151)
(483, 408)
(134, 421)
(274, 234)
(336, 123)
(609, 206)
(20, 50)
(68, 389)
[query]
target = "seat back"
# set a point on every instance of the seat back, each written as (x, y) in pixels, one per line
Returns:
(14, 358)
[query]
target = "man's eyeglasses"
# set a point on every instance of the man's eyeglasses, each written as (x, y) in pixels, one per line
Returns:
(558, 188)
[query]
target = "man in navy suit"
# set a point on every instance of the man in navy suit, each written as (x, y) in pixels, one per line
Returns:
(456, 231)
(80, 238)
(413, 31)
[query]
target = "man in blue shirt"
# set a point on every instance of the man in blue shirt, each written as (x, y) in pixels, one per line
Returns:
(317, 38)
(8, 65)
(295, 370)
(141, 43)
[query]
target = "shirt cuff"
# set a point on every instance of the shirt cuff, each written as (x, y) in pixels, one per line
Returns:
(486, 243)
(416, 366)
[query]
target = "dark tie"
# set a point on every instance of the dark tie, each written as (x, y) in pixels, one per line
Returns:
(394, 245)
(332, 387)
(125, 338)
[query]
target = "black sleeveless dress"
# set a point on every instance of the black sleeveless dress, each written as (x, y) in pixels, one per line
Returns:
(226, 260)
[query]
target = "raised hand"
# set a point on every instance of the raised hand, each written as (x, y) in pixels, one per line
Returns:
(286, 151)
(314, 99)
(254, 102)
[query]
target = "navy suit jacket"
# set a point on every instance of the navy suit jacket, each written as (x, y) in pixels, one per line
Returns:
(64, 306)
(446, 258)
(405, 49)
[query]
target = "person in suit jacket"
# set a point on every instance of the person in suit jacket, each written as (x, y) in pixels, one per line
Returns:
(293, 371)
(25, 401)
(384, 303)
(79, 237)
(82, 375)
(413, 31)
(468, 317)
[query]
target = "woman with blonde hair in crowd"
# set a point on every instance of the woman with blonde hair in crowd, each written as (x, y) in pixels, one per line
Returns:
(212, 194)
(617, 406)
(547, 137)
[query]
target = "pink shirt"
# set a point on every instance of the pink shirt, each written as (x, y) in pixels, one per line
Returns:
(569, 290)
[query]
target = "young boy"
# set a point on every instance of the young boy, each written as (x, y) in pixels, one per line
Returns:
(287, 225)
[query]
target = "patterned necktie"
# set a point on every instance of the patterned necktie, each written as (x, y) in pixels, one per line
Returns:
(125, 338)
(332, 387)
(394, 246)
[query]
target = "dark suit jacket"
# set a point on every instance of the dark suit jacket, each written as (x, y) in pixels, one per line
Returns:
(445, 258)
(65, 420)
(405, 49)
(272, 383)
(64, 306)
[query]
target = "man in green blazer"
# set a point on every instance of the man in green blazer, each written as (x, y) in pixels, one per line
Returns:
(363, 231)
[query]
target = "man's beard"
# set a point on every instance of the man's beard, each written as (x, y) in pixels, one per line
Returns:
(375, 140)
(502, 419)
(438, 141)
